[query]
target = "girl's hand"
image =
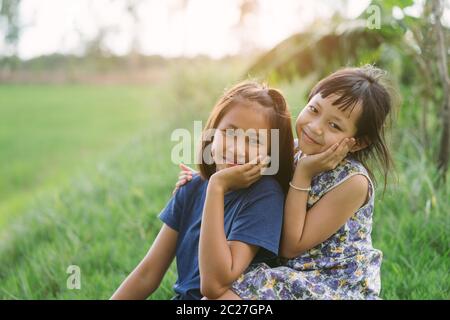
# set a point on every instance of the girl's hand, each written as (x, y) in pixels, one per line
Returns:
(240, 176)
(184, 176)
(311, 165)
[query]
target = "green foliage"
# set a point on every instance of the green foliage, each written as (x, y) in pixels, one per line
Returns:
(389, 4)
(9, 19)
(323, 51)
(323, 48)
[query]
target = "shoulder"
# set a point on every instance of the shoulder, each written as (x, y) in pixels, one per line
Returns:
(355, 175)
(197, 184)
(196, 181)
(355, 187)
(173, 213)
(347, 168)
(348, 196)
(350, 177)
(264, 192)
(349, 171)
(263, 201)
(266, 185)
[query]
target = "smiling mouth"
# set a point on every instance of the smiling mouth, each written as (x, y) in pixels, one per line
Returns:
(309, 139)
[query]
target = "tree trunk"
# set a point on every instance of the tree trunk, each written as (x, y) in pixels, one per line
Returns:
(443, 72)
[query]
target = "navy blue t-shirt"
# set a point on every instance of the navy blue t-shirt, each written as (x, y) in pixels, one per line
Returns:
(253, 215)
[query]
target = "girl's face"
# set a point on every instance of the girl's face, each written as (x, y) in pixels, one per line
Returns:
(320, 125)
(241, 136)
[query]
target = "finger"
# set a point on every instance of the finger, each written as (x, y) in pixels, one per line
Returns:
(345, 144)
(348, 146)
(338, 155)
(185, 176)
(254, 172)
(342, 147)
(185, 167)
(333, 155)
(352, 142)
(251, 164)
(256, 160)
(253, 167)
(245, 168)
(329, 152)
(255, 176)
(257, 169)
(266, 161)
(184, 179)
(180, 183)
(342, 151)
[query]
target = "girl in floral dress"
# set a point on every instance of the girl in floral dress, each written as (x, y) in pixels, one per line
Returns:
(345, 266)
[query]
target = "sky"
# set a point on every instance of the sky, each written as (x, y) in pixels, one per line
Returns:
(204, 27)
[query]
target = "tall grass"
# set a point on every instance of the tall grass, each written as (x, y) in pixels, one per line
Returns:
(47, 132)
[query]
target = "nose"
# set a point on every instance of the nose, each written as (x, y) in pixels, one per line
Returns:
(237, 150)
(316, 128)
(241, 152)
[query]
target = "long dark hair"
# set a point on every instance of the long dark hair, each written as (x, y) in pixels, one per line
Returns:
(370, 86)
(280, 118)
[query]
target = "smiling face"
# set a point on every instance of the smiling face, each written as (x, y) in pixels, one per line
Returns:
(242, 135)
(322, 124)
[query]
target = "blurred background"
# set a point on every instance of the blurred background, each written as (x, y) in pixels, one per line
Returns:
(90, 92)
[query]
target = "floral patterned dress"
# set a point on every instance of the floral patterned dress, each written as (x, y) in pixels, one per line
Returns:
(345, 266)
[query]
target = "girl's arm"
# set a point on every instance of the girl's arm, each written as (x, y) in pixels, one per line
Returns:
(147, 276)
(303, 231)
(221, 262)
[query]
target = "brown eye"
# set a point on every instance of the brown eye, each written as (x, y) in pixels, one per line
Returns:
(312, 108)
(335, 126)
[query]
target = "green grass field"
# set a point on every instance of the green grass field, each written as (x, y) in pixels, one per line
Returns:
(101, 214)
(47, 132)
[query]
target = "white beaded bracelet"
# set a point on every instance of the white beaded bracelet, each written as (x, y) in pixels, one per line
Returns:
(300, 189)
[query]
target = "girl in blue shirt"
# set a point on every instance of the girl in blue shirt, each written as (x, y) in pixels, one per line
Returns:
(228, 217)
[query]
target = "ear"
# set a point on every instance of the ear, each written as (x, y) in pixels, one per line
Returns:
(361, 143)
